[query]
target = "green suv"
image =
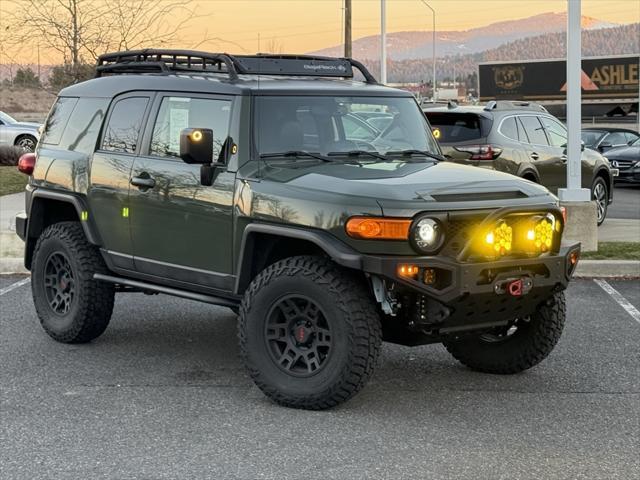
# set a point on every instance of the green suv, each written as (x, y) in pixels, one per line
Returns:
(520, 138)
(240, 181)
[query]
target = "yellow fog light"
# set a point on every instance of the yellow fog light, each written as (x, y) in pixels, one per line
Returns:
(500, 239)
(543, 235)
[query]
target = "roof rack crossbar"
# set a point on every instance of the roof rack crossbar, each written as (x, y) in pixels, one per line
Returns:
(140, 61)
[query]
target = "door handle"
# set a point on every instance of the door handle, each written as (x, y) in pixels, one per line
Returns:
(144, 181)
(534, 156)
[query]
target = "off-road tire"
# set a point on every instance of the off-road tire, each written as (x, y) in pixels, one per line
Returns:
(528, 346)
(355, 326)
(90, 309)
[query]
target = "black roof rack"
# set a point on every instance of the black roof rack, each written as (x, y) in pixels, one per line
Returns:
(166, 61)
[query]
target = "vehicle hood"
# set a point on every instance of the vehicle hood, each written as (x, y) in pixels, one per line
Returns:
(623, 152)
(414, 186)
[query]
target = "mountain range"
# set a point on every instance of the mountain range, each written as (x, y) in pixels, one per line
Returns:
(409, 45)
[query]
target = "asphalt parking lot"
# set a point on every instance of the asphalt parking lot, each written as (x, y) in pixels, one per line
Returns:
(162, 394)
(626, 202)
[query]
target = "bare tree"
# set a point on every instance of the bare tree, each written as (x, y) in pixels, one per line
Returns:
(274, 46)
(80, 30)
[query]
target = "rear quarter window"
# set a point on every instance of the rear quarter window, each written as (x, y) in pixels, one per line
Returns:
(84, 125)
(57, 120)
(457, 127)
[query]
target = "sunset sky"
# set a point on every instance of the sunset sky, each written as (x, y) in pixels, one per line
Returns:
(298, 26)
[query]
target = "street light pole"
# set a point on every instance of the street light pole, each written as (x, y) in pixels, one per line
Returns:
(433, 46)
(383, 42)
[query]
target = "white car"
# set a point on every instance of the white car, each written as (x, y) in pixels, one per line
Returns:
(20, 134)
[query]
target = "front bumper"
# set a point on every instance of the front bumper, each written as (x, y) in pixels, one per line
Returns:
(475, 293)
(629, 175)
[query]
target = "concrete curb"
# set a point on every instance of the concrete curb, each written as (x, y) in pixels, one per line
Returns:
(586, 268)
(12, 265)
(608, 269)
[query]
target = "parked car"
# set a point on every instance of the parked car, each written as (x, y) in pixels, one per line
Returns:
(20, 134)
(627, 161)
(603, 139)
(520, 138)
(251, 193)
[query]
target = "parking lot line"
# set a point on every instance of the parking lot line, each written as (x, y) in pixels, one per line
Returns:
(623, 302)
(13, 286)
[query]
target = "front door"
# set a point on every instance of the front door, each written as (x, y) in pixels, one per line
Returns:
(181, 230)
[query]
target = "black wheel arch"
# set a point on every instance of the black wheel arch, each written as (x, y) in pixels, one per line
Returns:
(264, 244)
(47, 207)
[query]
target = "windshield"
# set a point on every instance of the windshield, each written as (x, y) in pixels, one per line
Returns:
(6, 118)
(324, 124)
(591, 137)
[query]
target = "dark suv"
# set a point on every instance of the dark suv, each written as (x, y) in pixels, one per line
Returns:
(520, 138)
(233, 180)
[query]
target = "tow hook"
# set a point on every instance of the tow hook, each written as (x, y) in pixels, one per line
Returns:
(516, 287)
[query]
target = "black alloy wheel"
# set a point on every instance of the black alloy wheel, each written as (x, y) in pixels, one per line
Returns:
(59, 283)
(298, 335)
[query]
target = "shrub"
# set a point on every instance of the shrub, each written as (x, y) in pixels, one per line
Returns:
(9, 155)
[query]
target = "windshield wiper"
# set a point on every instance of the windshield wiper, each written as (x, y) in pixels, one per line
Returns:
(295, 154)
(411, 152)
(357, 153)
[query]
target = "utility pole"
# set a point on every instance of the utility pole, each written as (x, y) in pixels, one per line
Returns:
(347, 29)
(383, 42)
(433, 51)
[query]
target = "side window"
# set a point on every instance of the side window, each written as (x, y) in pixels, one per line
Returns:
(556, 132)
(534, 130)
(123, 127)
(57, 120)
(509, 128)
(83, 128)
(177, 113)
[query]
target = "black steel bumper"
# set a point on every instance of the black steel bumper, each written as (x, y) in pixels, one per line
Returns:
(477, 293)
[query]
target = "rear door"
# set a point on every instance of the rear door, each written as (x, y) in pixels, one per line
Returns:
(181, 230)
(547, 158)
(110, 173)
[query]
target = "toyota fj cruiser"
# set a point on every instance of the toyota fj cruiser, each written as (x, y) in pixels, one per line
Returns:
(251, 182)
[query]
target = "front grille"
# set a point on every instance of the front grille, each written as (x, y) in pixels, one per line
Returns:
(459, 232)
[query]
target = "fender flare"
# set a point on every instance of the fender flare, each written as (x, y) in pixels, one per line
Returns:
(338, 251)
(78, 203)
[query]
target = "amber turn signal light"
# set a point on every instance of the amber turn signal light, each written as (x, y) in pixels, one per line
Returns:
(374, 228)
(408, 270)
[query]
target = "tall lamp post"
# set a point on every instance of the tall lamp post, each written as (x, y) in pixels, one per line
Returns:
(433, 46)
(383, 42)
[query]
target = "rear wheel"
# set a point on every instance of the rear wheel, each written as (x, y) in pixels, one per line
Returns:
(517, 347)
(600, 194)
(26, 142)
(309, 333)
(71, 305)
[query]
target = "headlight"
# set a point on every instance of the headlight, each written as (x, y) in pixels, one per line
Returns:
(500, 239)
(427, 235)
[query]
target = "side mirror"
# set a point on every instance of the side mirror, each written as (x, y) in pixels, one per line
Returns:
(196, 146)
(582, 145)
(604, 146)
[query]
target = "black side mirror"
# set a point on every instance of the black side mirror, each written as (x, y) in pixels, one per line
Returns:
(196, 146)
(604, 146)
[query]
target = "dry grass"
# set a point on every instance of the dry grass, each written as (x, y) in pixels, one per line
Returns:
(11, 180)
(26, 104)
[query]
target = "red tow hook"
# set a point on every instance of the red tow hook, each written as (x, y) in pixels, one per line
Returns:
(515, 288)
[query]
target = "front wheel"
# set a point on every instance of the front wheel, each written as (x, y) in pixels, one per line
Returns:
(516, 347)
(600, 194)
(309, 333)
